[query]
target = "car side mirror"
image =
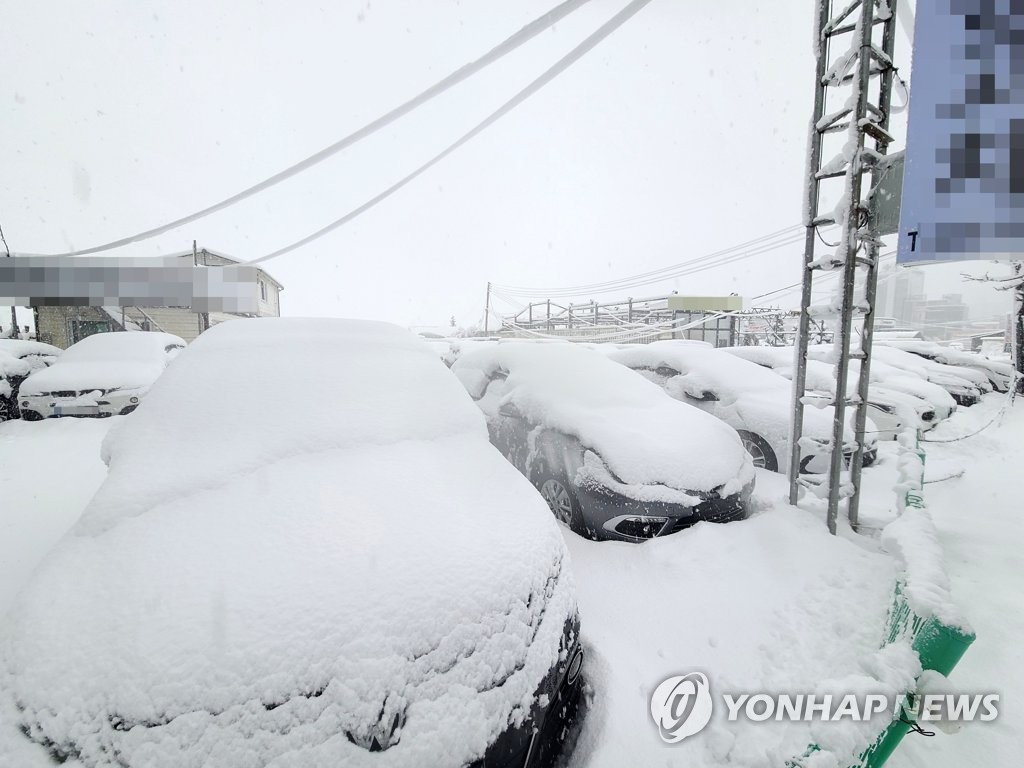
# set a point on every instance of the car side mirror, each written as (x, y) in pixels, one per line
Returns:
(704, 397)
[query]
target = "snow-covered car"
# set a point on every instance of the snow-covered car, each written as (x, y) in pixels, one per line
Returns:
(458, 347)
(358, 579)
(102, 375)
(890, 408)
(12, 372)
(37, 354)
(19, 358)
(965, 385)
(754, 401)
(1000, 374)
(912, 382)
(611, 453)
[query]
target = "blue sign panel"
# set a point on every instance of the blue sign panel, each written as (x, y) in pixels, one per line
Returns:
(963, 186)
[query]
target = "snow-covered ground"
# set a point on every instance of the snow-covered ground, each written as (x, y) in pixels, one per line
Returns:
(770, 603)
(981, 525)
(48, 472)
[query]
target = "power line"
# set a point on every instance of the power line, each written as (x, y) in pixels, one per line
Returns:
(646, 278)
(550, 74)
(524, 35)
(691, 267)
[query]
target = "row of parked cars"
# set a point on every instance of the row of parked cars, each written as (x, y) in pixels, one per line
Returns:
(611, 434)
(561, 414)
(361, 571)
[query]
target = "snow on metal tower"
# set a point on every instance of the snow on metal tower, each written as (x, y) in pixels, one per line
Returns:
(848, 141)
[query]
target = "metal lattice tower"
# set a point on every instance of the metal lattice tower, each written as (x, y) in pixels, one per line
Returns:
(848, 142)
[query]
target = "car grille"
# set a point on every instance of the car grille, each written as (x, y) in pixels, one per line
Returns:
(716, 510)
(78, 393)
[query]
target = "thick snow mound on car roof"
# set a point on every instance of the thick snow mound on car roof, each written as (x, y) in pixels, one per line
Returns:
(296, 602)
(703, 367)
(132, 359)
(261, 390)
(12, 366)
(643, 435)
(27, 347)
(119, 346)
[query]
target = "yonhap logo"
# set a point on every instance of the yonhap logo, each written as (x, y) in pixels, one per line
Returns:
(681, 706)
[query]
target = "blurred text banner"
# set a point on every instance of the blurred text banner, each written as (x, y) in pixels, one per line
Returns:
(127, 282)
(963, 187)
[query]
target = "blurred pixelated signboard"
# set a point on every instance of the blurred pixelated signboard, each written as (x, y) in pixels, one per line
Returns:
(963, 185)
(97, 281)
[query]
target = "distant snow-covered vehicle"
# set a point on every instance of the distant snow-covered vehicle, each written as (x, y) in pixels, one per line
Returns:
(913, 382)
(358, 579)
(12, 372)
(37, 354)
(18, 359)
(1000, 374)
(102, 375)
(965, 385)
(754, 401)
(612, 454)
(890, 408)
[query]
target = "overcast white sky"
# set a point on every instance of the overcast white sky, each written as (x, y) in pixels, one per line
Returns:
(681, 134)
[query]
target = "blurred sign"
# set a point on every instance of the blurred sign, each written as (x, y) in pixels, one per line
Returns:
(963, 187)
(88, 281)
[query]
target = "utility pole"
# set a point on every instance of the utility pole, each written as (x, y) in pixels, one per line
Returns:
(13, 332)
(202, 317)
(487, 311)
(863, 36)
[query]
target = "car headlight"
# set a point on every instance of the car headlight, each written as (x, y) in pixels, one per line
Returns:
(639, 526)
(133, 399)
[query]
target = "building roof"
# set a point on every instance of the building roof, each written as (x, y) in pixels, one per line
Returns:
(232, 259)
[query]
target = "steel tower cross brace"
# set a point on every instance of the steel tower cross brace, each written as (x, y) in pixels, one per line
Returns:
(863, 33)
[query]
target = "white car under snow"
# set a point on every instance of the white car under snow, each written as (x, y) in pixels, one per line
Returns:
(890, 408)
(756, 402)
(102, 375)
(358, 579)
(1001, 375)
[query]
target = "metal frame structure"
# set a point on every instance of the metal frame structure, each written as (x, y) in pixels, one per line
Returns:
(845, 119)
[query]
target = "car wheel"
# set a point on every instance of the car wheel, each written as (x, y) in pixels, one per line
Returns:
(762, 454)
(561, 500)
(128, 409)
(28, 415)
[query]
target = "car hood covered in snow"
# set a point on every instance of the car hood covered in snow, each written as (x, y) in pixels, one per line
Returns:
(88, 376)
(643, 436)
(261, 582)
